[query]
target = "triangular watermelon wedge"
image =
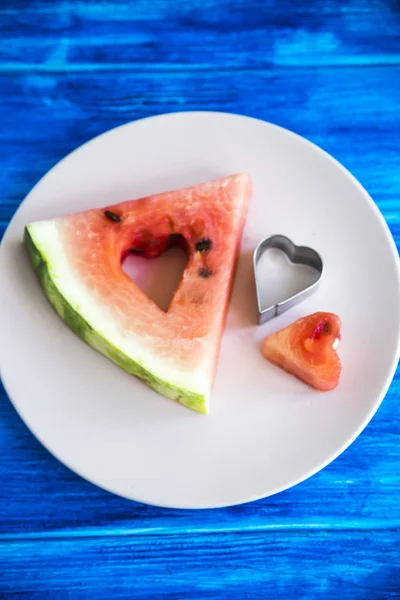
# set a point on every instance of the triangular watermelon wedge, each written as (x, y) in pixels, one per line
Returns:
(78, 259)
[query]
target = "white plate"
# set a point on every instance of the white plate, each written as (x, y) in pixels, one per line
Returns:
(267, 430)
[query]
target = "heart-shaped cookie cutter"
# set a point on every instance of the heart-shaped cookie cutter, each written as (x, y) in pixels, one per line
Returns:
(300, 255)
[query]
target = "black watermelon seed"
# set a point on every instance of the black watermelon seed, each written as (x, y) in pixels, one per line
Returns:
(204, 272)
(326, 328)
(175, 240)
(112, 216)
(136, 251)
(203, 245)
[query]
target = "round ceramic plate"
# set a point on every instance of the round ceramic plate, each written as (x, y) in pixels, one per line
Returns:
(267, 431)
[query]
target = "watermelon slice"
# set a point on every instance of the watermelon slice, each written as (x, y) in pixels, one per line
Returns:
(78, 259)
(307, 348)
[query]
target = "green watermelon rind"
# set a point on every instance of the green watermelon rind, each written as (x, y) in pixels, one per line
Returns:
(93, 338)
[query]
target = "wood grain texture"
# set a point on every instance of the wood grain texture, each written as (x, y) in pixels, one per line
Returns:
(197, 35)
(327, 69)
(56, 113)
(238, 566)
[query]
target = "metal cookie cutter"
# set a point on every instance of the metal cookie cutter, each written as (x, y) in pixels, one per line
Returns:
(297, 255)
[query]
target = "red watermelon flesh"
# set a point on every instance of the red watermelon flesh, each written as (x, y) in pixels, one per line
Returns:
(78, 261)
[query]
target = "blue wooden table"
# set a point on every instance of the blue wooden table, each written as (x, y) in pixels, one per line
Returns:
(328, 70)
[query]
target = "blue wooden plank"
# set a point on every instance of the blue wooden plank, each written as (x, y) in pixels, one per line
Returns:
(197, 35)
(55, 113)
(236, 566)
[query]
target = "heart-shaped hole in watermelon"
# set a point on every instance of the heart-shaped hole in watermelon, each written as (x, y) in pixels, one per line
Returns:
(157, 277)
